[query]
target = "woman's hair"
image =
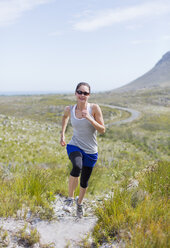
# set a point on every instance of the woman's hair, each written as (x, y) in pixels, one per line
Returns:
(82, 83)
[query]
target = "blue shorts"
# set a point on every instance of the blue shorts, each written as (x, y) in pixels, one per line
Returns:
(88, 159)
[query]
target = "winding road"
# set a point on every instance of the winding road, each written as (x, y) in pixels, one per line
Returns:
(134, 114)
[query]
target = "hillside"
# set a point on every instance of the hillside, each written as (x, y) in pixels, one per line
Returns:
(127, 193)
(158, 76)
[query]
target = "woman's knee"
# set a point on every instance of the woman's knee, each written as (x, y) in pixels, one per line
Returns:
(76, 159)
(75, 172)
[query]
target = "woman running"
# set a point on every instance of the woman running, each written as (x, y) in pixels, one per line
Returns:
(86, 120)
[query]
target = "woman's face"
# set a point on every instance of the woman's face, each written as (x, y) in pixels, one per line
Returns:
(82, 93)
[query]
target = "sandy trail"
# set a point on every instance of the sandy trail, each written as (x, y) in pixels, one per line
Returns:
(66, 231)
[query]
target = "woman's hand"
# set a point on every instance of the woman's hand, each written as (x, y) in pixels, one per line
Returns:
(85, 114)
(62, 141)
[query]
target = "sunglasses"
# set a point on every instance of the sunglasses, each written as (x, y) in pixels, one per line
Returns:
(83, 93)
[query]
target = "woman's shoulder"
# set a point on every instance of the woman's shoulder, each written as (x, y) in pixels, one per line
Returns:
(95, 108)
(67, 110)
(69, 107)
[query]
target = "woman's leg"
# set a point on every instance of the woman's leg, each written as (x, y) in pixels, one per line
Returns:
(73, 183)
(85, 175)
(81, 194)
(76, 159)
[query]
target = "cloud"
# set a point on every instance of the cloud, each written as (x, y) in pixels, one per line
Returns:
(109, 17)
(11, 10)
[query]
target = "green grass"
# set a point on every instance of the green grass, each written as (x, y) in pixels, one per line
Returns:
(147, 97)
(31, 186)
(28, 238)
(34, 168)
(39, 108)
(146, 224)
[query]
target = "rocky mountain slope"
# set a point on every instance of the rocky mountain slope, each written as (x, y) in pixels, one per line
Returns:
(158, 76)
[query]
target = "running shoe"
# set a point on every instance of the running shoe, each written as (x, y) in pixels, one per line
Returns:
(79, 209)
(68, 205)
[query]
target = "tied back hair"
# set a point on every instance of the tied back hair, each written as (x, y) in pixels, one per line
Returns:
(82, 83)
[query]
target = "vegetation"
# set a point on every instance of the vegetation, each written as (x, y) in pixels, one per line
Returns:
(28, 237)
(139, 216)
(34, 168)
(157, 96)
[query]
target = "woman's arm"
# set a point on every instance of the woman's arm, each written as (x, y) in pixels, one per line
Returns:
(98, 121)
(65, 119)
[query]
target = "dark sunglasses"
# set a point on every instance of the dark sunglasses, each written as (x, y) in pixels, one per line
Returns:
(82, 93)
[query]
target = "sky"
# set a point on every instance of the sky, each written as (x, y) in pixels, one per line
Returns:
(52, 45)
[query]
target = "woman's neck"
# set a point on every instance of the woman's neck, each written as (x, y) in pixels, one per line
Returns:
(82, 105)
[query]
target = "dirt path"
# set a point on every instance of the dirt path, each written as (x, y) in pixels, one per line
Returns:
(134, 114)
(66, 231)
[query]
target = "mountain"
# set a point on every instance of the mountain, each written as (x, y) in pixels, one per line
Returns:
(158, 76)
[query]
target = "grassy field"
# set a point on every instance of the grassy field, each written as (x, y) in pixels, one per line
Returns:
(133, 166)
(145, 97)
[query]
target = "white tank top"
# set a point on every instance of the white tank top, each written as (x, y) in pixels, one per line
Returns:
(84, 134)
